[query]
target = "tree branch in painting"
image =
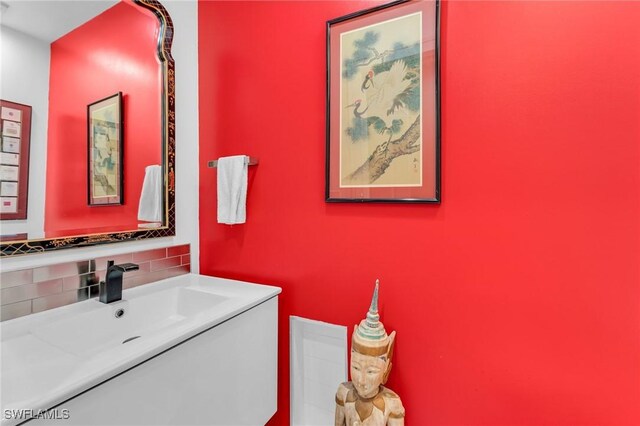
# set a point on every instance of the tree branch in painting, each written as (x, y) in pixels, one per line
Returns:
(384, 154)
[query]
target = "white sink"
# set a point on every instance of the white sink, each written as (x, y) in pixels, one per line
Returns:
(51, 356)
(98, 330)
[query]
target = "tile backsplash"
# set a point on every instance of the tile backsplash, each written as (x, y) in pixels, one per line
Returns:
(37, 289)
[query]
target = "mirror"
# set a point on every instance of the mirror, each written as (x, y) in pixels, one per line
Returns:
(99, 78)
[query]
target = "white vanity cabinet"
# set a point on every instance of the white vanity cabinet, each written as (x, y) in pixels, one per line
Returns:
(224, 376)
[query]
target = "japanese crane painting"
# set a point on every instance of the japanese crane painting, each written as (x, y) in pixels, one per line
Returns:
(381, 82)
(382, 137)
(104, 119)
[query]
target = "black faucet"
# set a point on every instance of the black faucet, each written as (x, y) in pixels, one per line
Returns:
(111, 287)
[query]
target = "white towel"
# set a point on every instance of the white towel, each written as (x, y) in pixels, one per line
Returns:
(150, 207)
(232, 189)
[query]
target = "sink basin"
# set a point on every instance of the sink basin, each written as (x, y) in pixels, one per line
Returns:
(51, 356)
(108, 326)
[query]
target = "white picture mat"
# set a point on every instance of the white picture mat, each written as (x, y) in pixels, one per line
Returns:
(10, 128)
(9, 189)
(11, 114)
(8, 205)
(10, 144)
(9, 173)
(9, 159)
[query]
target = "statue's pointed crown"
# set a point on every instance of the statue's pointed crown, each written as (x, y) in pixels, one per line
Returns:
(371, 328)
(370, 337)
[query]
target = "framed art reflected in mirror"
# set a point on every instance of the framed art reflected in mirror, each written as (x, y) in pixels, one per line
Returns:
(105, 136)
(15, 125)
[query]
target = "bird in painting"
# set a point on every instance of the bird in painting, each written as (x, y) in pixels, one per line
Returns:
(368, 81)
(385, 91)
(385, 95)
(356, 108)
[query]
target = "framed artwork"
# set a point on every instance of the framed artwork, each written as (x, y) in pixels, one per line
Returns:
(15, 130)
(105, 135)
(383, 104)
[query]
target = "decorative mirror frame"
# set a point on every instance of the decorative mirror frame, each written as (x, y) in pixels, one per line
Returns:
(165, 39)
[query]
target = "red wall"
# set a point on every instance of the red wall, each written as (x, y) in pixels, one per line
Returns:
(114, 52)
(517, 300)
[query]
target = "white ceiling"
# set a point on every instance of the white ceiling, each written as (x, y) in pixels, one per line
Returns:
(48, 20)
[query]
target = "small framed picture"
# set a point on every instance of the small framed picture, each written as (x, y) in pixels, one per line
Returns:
(9, 159)
(14, 159)
(8, 205)
(105, 147)
(10, 173)
(11, 128)
(12, 114)
(383, 105)
(9, 189)
(10, 144)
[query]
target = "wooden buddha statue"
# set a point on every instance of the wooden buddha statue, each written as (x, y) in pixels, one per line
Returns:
(364, 401)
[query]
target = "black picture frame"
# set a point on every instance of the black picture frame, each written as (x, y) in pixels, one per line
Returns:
(105, 151)
(383, 105)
